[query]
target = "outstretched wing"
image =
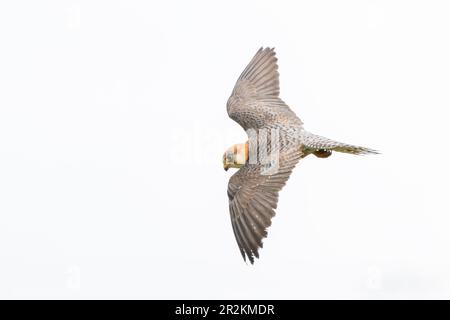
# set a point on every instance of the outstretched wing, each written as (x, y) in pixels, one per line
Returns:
(253, 198)
(253, 194)
(254, 102)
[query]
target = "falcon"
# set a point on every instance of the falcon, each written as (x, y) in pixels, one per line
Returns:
(276, 142)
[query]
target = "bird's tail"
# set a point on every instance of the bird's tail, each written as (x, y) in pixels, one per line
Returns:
(322, 147)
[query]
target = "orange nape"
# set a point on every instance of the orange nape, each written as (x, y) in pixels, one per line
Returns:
(235, 156)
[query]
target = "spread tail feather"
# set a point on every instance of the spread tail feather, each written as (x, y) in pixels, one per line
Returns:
(321, 146)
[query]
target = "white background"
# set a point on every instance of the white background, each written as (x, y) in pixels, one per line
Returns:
(113, 125)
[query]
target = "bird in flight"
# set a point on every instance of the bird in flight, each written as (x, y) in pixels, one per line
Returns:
(276, 143)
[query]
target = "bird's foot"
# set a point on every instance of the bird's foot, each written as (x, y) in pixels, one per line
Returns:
(322, 153)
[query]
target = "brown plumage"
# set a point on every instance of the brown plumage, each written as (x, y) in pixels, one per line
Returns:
(277, 141)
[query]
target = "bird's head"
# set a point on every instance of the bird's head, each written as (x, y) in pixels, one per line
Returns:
(236, 156)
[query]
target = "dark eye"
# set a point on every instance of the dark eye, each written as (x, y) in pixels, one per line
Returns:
(230, 157)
